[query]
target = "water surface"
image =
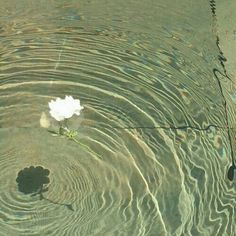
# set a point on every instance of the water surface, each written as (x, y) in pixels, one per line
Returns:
(155, 146)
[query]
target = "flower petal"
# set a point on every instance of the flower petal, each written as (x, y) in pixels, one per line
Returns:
(61, 109)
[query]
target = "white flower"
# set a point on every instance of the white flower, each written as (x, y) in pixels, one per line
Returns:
(62, 109)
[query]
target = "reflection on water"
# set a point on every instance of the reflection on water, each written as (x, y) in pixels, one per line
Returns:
(155, 147)
(227, 107)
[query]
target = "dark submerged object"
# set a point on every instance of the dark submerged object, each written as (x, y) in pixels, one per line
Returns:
(33, 180)
(231, 170)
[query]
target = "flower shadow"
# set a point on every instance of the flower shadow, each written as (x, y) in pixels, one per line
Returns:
(31, 180)
(34, 180)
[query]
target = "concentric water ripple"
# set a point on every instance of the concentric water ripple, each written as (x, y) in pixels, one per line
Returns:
(133, 171)
(99, 188)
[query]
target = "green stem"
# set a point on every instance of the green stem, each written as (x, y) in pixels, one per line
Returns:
(64, 131)
(88, 148)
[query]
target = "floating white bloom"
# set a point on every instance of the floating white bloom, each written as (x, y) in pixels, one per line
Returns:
(62, 109)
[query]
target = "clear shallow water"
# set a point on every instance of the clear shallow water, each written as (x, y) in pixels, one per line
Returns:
(138, 68)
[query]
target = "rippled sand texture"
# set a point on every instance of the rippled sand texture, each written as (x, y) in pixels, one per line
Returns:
(154, 149)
